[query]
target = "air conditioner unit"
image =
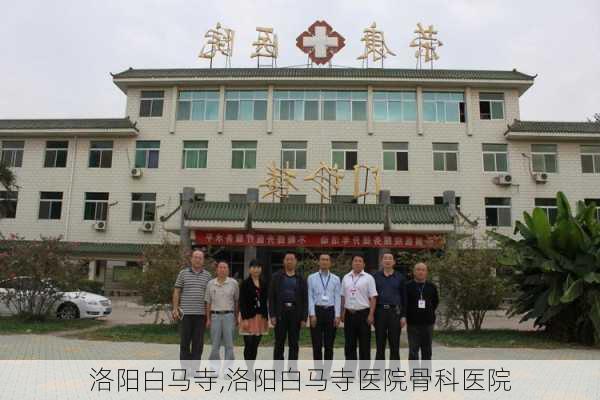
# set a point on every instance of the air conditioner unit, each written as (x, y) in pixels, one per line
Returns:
(540, 177)
(136, 172)
(100, 225)
(504, 179)
(148, 227)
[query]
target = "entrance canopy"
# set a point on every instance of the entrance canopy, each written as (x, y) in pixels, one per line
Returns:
(319, 225)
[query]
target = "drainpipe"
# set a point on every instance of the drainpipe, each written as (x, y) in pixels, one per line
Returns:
(70, 191)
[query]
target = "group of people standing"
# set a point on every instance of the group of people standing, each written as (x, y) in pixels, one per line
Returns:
(359, 300)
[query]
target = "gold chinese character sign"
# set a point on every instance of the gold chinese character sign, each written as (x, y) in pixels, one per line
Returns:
(218, 40)
(266, 45)
(279, 182)
(328, 180)
(371, 174)
(427, 44)
(375, 45)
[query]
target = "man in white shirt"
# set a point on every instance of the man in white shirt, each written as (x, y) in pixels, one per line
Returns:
(359, 297)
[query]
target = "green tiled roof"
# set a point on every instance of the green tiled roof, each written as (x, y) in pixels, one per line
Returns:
(68, 123)
(217, 211)
(319, 213)
(352, 73)
(419, 214)
(554, 127)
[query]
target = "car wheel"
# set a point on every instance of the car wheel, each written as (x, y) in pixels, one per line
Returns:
(68, 311)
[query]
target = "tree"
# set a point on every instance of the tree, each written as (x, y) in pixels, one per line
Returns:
(595, 118)
(469, 285)
(49, 271)
(556, 268)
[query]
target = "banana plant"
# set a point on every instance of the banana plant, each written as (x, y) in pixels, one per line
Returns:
(556, 270)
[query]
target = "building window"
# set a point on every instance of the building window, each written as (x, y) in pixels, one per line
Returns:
(147, 153)
(439, 200)
(395, 106)
(12, 153)
(101, 152)
(198, 105)
(96, 206)
(445, 156)
(243, 154)
(151, 103)
(497, 211)
(343, 199)
(491, 105)
(444, 106)
(395, 156)
(548, 205)
(8, 204)
(294, 199)
(326, 105)
(495, 157)
(344, 155)
(197, 197)
(544, 158)
(590, 159)
(195, 154)
(400, 200)
(293, 155)
(237, 198)
(50, 205)
(596, 203)
(56, 154)
(247, 105)
(143, 207)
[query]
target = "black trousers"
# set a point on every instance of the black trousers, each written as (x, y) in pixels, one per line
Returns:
(191, 344)
(387, 331)
(323, 334)
(357, 331)
(251, 343)
(287, 326)
(419, 339)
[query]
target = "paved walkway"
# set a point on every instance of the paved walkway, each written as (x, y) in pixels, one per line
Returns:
(48, 347)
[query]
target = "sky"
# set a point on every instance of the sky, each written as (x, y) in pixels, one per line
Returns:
(56, 56)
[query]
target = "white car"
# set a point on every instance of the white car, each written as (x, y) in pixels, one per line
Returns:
(71, 305)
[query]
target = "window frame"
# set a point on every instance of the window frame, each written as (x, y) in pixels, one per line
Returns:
(144, 204)
(51, 204)
(294, 151)
(490, 102)
(402, 101)
(208, 97)
(498, 207)
(16, 153)
(495, 154)
(595, 157)
(345, 153)
(299, 98)
(462, 111)
(8, 210)
(547, 208)
(445, 155)
(544, 154)
(152, 100)
(55, 151)
(146, 151)
(198, 150)
(244, 151)
(395, 153)
(257, 95)
(101, 151)
(99, 206)
(588, 201)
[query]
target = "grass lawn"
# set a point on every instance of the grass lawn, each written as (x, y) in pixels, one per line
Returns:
(13, 325)
(168, 334)
(499, 338)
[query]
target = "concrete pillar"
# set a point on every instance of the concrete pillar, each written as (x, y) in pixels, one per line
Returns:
(221, 124)
(173, 112)
(187, 200)
(250, 251)
(92, 270)
(419, 110)
(385, 198)
(469, 111)
(370, 129)
(270, 109)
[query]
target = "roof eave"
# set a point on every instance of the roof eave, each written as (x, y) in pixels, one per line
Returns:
(129, 132)
(561, 136)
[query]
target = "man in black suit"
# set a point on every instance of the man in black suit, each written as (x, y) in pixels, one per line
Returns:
(288, 307)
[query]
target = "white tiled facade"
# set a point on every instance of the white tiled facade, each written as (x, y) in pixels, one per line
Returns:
(219, 180)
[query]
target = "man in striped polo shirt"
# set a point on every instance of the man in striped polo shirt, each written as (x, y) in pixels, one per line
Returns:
(189, 307)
